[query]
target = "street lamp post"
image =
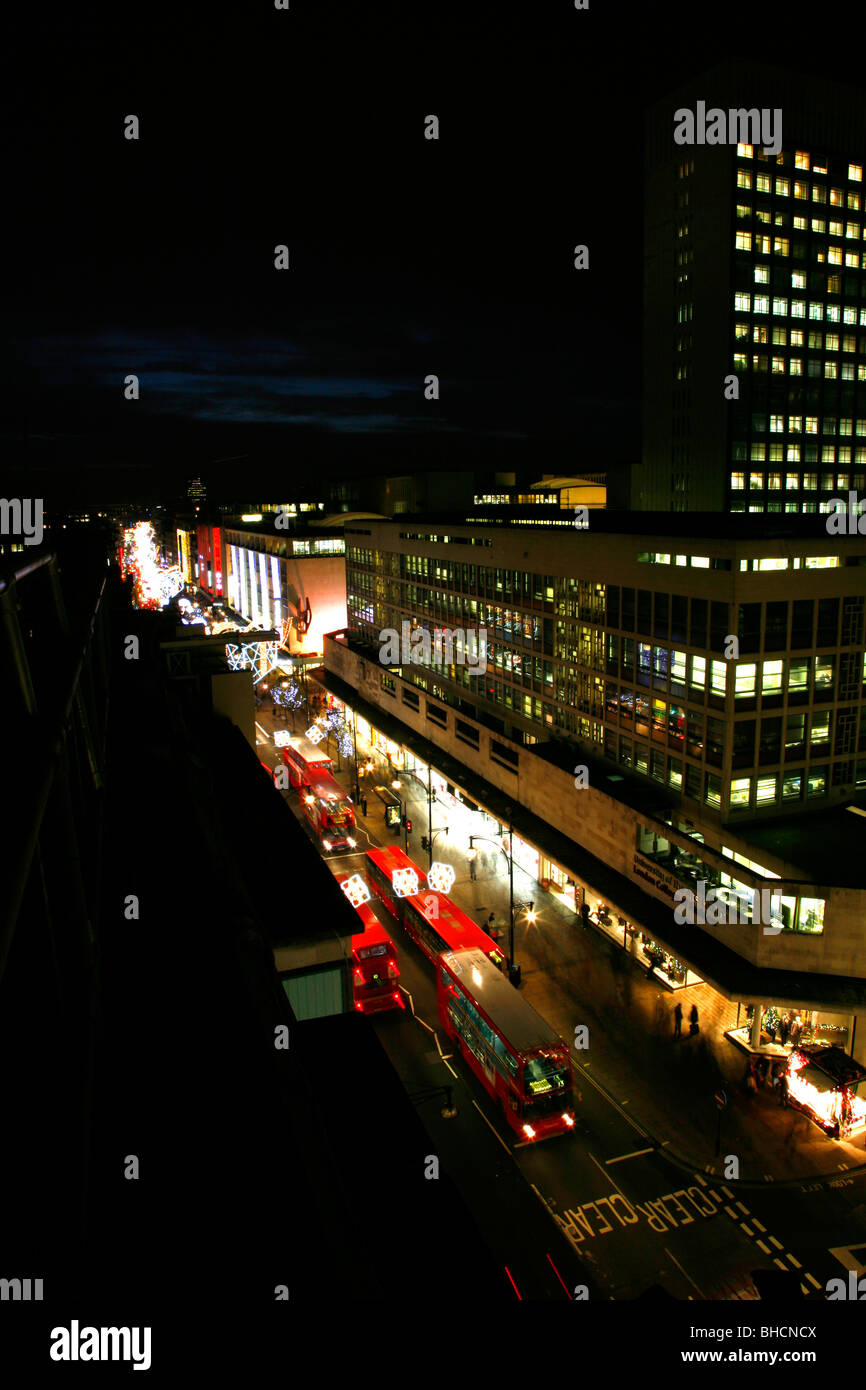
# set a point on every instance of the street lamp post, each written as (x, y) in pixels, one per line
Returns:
(429, 816)
(510, 896)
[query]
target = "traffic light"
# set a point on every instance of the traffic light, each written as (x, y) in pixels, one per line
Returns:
(425, 843)
(408, 825)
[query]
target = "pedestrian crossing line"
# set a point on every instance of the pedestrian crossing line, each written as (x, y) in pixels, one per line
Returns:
(794, 1262)
(813, 1281)
(714, 1194)
(758, 1227)
(778, 1244)
(728, 1193)
(805, 1288)
(762, 1245)
(843, 1167)
(729, 1211)
(782, 1266)
(748, 1230)
(744, 1210)
(702, 1181)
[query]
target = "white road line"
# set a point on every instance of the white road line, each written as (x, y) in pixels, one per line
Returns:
(266, 736)
(585, 1072)
(795, 1263)
(683, 1272)
(813, 1281)
(638, 1153)
(491, 1128)
(778, 1244)
(608, 1176)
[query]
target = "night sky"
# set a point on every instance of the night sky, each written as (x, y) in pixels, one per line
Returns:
(408, 256)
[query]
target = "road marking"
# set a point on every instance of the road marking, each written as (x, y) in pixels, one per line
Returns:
(492, 1129)
(843, 1167)
(756, 1223)
(638, 1153)
(744, 1210)
(763, 1246)
(682, 1271)
(783, 1267)
(813, 1281)
(607, 1175)
(584, 1069)
(728, 1193)
(794, 1262)
(778, 1244)
(805, 1288)
(768, 1177)
(729, 1211)
(748, 1231)
(702, 1181)
(714, 1194)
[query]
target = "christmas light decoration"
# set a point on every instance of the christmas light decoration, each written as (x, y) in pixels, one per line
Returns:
(258, 657)
(356, 890)
(315, 734)
(440, 877)
(281, 737)
(405, 883)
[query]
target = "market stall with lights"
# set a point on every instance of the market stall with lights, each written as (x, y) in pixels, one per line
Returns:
(830, 1086)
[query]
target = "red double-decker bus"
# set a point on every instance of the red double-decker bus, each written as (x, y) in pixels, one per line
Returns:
(433, 921)
(329, 811)
(304, 760)
(519, 1059)
(381, 864)
(375, 971)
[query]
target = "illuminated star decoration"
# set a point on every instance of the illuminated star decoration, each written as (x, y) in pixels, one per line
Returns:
(258, 657)
(405, 883)
(356, 890)
(315, 734)
(281, 737)
(440, 877)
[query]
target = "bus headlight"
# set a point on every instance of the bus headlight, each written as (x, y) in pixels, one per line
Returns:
(569, 1119)
(529, 1131)
(326, 844)
(352, 842)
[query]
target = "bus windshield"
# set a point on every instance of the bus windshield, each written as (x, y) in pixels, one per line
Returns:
(545, 1073)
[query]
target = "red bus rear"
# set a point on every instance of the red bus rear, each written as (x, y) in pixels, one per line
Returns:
(518, 1058)
(329, 811)
(304, 759)
(375, 971)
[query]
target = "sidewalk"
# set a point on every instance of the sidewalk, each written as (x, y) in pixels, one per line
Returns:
(576, 975)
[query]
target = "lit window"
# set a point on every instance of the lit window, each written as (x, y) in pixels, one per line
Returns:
(738, 481)
(816, 311)
(756, 482)
(819, 193)
(744, 680)
(778, 366)
(780, 309)
(744, 241)
(777, 424)
(801, 160)
(781, 246)
(748, 152)
(765, 791)
(783, 188)
(818, 224)
(774, 481)
(762, 275)
(795, 423)
(762, 304)
(798, 309)
(743, 301)
(762, 183)
(744, 178)
(771, 681)
(810, 482)
(795, 366)
(801, 190)
(855, 172)
(744, 210)
(811, 424)
(792, 481)
(758, 453)
(740, 791)
(837, 197)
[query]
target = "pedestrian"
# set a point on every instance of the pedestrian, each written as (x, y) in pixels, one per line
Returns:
(491, 924)
(783, 1089)
(784, 1028)
(363, 805)
(678, 1020)
(796, 1029)
(472, 869)
(693, 1021)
